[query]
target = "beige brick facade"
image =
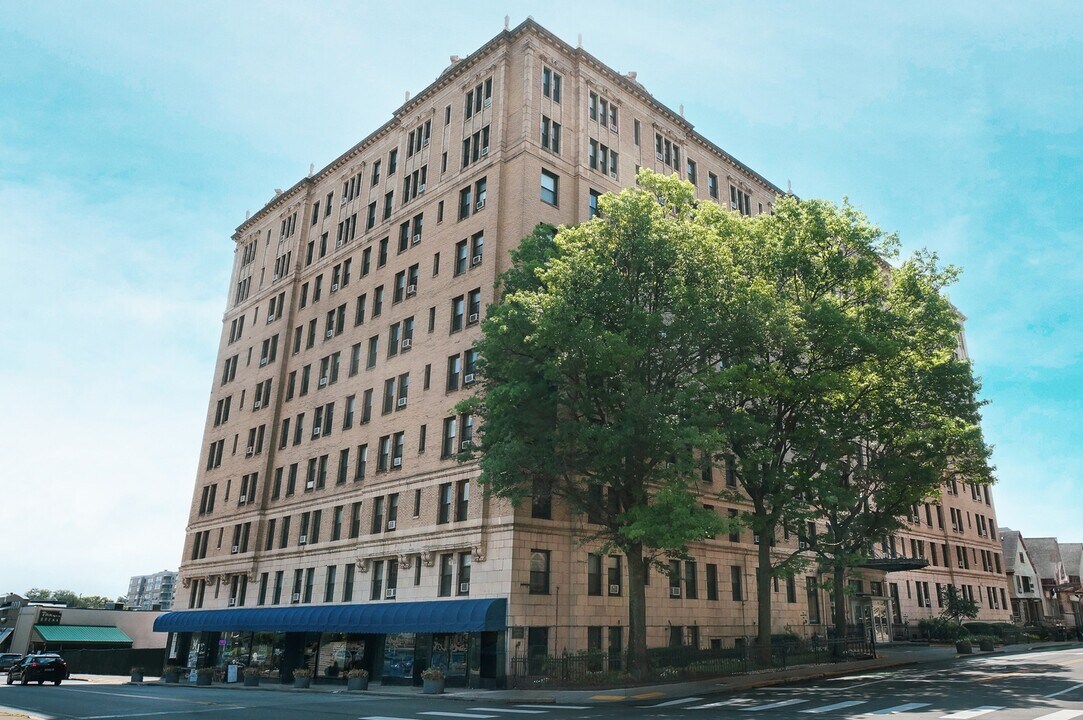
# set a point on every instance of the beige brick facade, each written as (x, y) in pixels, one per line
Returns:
(292, 305)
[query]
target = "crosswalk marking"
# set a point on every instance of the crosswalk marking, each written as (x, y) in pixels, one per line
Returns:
(836, 706)
(457, 715)
(383, 717)
(678, 701)
(976, 712)
(772, 706)
(1061, 715)
(509, 710)
(736, 701)
(1066, 690)
(556, 707)
(900, 708)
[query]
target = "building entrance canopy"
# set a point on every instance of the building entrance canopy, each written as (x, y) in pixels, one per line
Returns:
(418, 617)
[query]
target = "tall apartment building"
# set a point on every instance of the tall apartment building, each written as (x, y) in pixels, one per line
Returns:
(331, 525)
(152, 592)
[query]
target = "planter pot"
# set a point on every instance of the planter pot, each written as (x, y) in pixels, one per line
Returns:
(203, 679)
(251, 680)
(173, 677)
(963, 647)
(299, 682)
(986, 645)
(137, 677)
(432, 687)
(357, 683)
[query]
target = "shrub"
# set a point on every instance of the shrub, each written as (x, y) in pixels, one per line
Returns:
(432, 673)
(252, 671)
(302, 673)
(941, 630)
(358, 673)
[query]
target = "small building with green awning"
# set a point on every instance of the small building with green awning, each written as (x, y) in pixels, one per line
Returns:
(75, 637)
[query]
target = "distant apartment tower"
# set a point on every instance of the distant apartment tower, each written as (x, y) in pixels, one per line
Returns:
(152, 592)
(328, 478)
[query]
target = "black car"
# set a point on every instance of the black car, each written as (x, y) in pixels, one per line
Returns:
(39, 667)
(9, 659)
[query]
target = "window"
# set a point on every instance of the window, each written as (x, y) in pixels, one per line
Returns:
(448, 449)
(550, 187)
(476, 146)
(736, 588)
(712, 185)
(389, 201)
(458, 306)
(539, 572)
(375, 172)
(377, 591)
(667, 152)
(462, 253)
(383, 461)
(462, 500)
(550, 134)
(362, 462)
(479, 98)
(674, 578)
(712, 581)
(473, 306)
(592, 203)
(600, 157)
(594, 574)
(447, 567)
(551, 81)
(740, 200)
(691, 171)
(464, 202)
(377, 515)
(690, 586)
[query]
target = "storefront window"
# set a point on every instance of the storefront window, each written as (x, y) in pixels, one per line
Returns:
(450, 653)
(399, 656)
(267, 652)
(340, 653)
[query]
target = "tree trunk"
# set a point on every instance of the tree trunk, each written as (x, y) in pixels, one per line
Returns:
(638, 663)
(838, 588)
(763, 597)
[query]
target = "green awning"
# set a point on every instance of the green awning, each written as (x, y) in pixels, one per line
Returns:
(81, 634)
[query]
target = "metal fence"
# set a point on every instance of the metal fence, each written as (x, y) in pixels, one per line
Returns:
(595, 669)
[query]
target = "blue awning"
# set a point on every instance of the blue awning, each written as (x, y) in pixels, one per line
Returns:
(426, 617)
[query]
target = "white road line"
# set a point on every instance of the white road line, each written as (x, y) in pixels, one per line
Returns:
(836, 706)
(679, 701)
(899, 709)
(772, 706)
(556, 707)
(384, 717)
(162, 712)
(456, 715)
(1066, 690)
(976, 712)
(1061, 715)
(736, 701)
(510, 710)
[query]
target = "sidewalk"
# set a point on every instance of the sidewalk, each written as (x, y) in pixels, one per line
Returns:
(890, 656)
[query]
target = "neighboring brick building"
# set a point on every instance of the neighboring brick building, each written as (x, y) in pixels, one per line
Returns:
(328, 481)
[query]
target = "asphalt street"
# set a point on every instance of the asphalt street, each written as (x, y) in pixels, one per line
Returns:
(1040, 685)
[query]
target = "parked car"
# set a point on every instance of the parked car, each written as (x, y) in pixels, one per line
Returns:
(9, 659)
(39, 667)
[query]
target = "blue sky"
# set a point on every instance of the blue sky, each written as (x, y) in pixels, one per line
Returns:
(134, 136)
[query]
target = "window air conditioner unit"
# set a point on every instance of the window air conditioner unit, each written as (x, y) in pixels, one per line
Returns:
(733, 205)
(330, 333)
(613, 127)
(257, 405)
(464, 588)
(390, 594)
(303, 540)
(316, 432)
(310, 484)
(406, 343)
(323, 381)
(476, 260)
(473, 318)
(334, 287)
(249, 451)
(274, 277)
(488, 101)
(659, 156)
(396, 462)
(674, 592)
(232, 602)
(402, 402)
(344, 200)
(421, 187)
(262, 361)
(411, 289)
(613, 174)
(339, 243)
(468, 378)
(271, 318)
(296, 597)
(233, 550)
(242, 499)
(466, 445)
(614, 589)
(480, 204)
(391, 524)
(417, 238)
(485, 151)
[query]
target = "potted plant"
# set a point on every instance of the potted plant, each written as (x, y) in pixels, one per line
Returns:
(986, 643)
(357, 679)
(302, 677)
(171, 674)
(963, 646)
(137, 674)
(433, 679)
(251, 676)
(204, 675)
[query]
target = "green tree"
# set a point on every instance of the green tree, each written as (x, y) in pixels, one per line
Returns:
(956, 607)
(594, 366)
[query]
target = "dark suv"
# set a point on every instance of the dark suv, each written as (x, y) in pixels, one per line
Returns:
(9, 659)
(39, 667)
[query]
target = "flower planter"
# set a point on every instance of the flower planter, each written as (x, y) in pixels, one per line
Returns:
(963, 647)
(432, 687)
(356, 683)
(986, 645)
(203, 678)
(137, 677)
(171, 677)
(251, 680)
(301, 682)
